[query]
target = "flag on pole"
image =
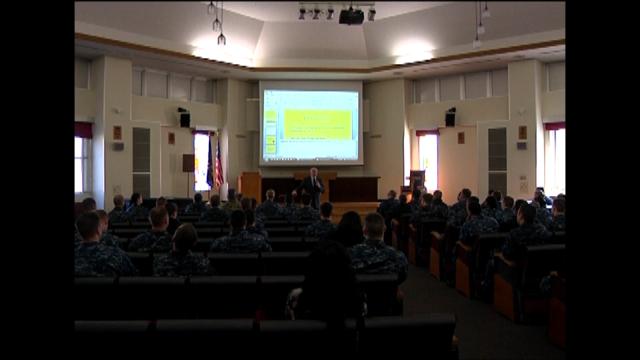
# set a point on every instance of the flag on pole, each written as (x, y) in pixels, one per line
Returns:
(209, 167)
(219, 177)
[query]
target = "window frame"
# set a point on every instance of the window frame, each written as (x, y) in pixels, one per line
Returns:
(85, 165)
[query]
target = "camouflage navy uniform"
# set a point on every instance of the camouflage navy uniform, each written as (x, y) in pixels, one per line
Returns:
(493, 213)
(305, 213)
(558, 223)
(137, 212)
(181, 264)
(415, 206)
(242, 242)
(230, 206)
(214, 214)
(96, 259)
(457, 214)
(526, 234)
(320, 229)
(423, 213)
(387, 207)
(109, 240)
(475, 226)
(258, 229)
(440, 209)
(543, 217)
(195, 208)
(151, 241)
(508, 217)
(118, 215)
(374, 257)
(268, 209)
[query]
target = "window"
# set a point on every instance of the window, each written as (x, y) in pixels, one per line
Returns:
(498, 160)
(83, 68)
(450, 88)
(137, 81)
(499, 82)
(156, 84)
(555, 76)
(555, 170)
(201, 147)
(180, 87)
(475, 85)
(428, 149)
(142, 161)
(81, 167)
(424, 91)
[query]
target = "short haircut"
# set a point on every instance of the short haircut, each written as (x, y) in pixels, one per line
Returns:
(491, 202)
(271, 194)
(238, 219)
(250, 215)
(466, 193)
(171, 208)
(427, 198)
(437, 194)
(118, 200)
(245, 204)
(214, 200)
(197, 198)
(415, 195)
(402, 198)
(306, 199)
(374, 223)
(88, 224)
(474, 208)
(528, 213)
(392, 193)
(134, 198)
(325, 209)
(185, 237)
(508, 202)
(88, 204)
(102, 215)
(558, 204)
(282, 199)
(161, 201)
(473, 199)
(157, 215)
(541, 188)
(497, 195)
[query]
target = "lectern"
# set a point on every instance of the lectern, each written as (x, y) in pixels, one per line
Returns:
(250, 185)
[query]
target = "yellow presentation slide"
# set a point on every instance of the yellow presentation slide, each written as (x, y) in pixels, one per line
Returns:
(310, 124)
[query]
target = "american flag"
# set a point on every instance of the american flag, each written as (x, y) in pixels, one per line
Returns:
(209, 168)
(219, 177)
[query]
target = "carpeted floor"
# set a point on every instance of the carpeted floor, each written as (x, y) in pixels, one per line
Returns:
(483, 333)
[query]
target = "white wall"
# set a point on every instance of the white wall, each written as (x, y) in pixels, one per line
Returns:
(165, 112)
(468, 112)
(457, 163)
(85, 105)
(553, 106)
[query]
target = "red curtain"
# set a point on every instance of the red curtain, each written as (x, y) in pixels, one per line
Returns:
(427, 132)
(554, 125)
(83, 130)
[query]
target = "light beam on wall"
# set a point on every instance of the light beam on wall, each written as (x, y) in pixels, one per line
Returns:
(206, 47)
(412, 50)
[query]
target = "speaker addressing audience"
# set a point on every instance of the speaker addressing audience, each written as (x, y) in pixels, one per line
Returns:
(321, 228)
(313, 186)
(239, 240)
(374, 256)
(181, 261)
(156, 240)
(95, 259)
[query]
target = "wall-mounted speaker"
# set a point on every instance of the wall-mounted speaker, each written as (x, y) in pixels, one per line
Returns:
(185, 120)
(450, 119)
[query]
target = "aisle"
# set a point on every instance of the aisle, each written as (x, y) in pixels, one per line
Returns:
(483, 333)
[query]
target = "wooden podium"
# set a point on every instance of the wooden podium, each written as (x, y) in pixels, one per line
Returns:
(250, 185)
(324, 175)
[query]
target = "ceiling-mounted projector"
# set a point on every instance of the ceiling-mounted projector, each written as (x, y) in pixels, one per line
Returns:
(351, 17)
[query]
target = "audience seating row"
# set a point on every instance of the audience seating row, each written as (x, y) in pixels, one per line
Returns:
(267, 263)
(209, 297)
(431, 335)
(211, 232)
(294, 243)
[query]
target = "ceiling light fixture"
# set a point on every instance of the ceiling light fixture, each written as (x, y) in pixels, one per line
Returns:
(476, 42)
(316, 14)
(211, 9)
(330, 13)
(302, 13)
(485, 12)
(217, 26)
(222, 40)
(372, 14)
